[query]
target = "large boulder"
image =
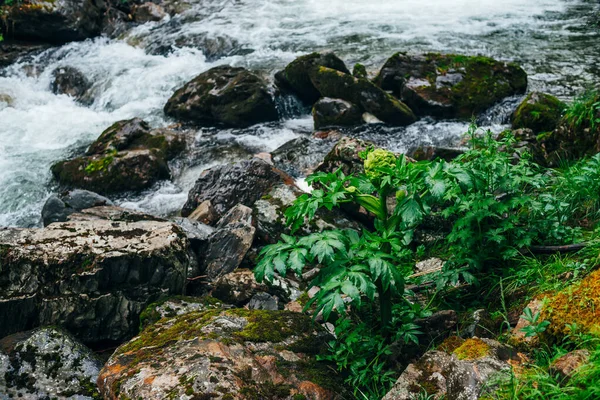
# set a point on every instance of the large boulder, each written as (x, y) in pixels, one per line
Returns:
(450, 86)
(47, 363)
(223, 95)
(460, 370)
(539, 112)
(296, 76)
(55, 22)
(70, 81)
(58, 207)
(335, 112)
(92, 277)
(128, 156)
(370, 98)
(223, 355)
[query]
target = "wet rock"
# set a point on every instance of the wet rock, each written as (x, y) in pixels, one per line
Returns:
(228, 246)
(227, 185)
(58, 207)
(223, 95)
(345, 154)
(231, 354)
(301, 156)
(460, 373)
(112, 213)
(335, 112)
(148, 12)
(539, 112)
(370, 98)
(69, 81)
(429, 266)
(92, 277)
(11, 52)
(568, 364)
(450, 86)
(128, 156)
(47, 363)
(204, 213)
(263, 301)
(296, 76)
(55, 22)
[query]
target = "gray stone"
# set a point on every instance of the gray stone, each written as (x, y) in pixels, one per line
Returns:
(263, 301)
(59, 208)
(329, 112)
(70, 81)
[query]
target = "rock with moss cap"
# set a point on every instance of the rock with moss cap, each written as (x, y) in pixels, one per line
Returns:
(47, 363)
(92, 277)
(223, 95)
(329, 112)
(223, 354)
(296, 76)
(370, 98)
(460, 369)
(128, 156)
(539, 112)
(450, 86)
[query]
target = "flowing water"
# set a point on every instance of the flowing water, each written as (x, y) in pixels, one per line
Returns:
(134, 76)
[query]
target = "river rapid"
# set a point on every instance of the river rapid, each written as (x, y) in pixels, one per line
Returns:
(133, 76)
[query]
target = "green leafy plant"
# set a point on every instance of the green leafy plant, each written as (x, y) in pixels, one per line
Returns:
(536, 326)
(584, 112)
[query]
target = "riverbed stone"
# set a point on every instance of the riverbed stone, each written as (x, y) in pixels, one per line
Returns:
(70, 81)
(58, 207)
(148, 12)
(450, 85)
(370, 98)
(223, 354)
(223, 95)
(92, 277)
(329, 112)
(539, 112)
(296, 75)
(128, 156)
(47, 363)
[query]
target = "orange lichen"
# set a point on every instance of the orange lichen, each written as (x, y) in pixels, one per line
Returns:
(577, 304)
(472, 349)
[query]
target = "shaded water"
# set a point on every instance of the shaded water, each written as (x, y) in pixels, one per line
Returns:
(134, 76)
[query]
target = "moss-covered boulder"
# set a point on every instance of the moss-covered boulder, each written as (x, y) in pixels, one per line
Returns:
(329, 112)
(296, 76)
(223, 355)
(223, 95)
(128, 156)
(459, 369)
(450, 86)
(539, 112)
(336, 84)
(47, 363)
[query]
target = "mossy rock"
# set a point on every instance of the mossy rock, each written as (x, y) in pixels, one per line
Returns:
(450, 85)
(296, 75)
(223, 354)
(359, 91)
(539, 112)
(359, 71)
(223, 95)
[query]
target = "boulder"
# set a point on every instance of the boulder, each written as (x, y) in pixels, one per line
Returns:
(69, 81)
(47, 363)
(450, 86)
(461, 371)
(565, 366)
(11, 52)
(177, 305)
(92, 277)
(335, 112)
(359, 71)
(148, 12)
(55, 22)
(296, 75)
(539, 112)
(370, 98)
(299, 157)
(345, 155)
(58, 207)
(128, 156)
(223, 95)
(223, 354)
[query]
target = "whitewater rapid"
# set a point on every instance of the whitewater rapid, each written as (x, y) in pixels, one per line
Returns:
(134, 76)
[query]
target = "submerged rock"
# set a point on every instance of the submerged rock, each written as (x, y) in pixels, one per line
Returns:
(360, 91)
(223, 95)
(539, 112)
(450, 86)
(335, 112)
(58, 208)
(147, 12)
(55, 21)
(47, 363)
(70, 81)
(128, 156)
(11, 52)
(92, 277)
(223, 354)
(296, 76)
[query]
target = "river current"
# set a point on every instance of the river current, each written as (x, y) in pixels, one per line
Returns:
(555, 41)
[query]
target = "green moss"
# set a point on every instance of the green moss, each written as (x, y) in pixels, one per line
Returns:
(539, 112)
(472, 349)
(99, 165)
(359, 71)
(271, 326)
